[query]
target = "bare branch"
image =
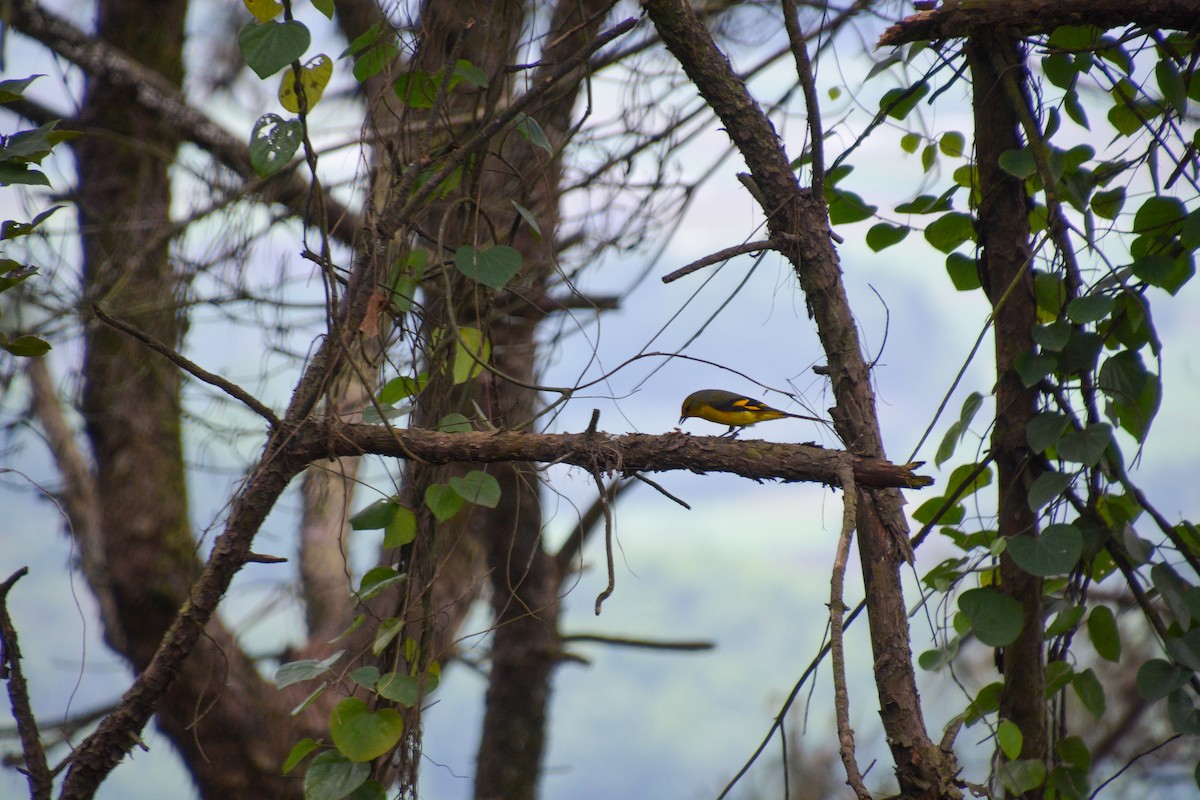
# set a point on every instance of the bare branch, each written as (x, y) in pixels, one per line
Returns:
(190, 367)
(954, 20)
(37, 771)
(755, 459)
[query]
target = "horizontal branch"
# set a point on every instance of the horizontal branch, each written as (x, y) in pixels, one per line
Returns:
(629, 453)
(954, 20)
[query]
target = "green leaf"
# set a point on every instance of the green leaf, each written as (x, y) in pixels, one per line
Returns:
(925, 512)
(402, 529)
(1159, 216)
(443, 501)
(530, 220)
(897, 103)
(299, 751)
(477, 487)
(1009, 737)
(407, 690)
(1087, 446)
(399, 388)
(332, 776)
(325, 7)
(366, 677)
(1053, 337)
(927, 204)
(388, 630)
(454, 423)
(1074, 751)
(957, 430)
(273, 142)
(1164, 271)
(304, 670)
(1032, 368)
(909, 142)
(1054, 552)
(12, 230)
(847, 207)
(1132, 391)
(1018, 163)
(1022, 776)
(1089, 308)
(1103, 631)
(1065, 621)
(470, 353)
(1158, 678)
(959, 476)
(1171, 84)
(376, 579)
(1058, 675)
(1174, 592)
(986, 702)
(1182, 712)
(1185, 649)
(25, 346)
(416, 89)
(883, 235)
(1043, 431)
(21, 175)
(1046, 488)
(364, 40)
(14, 89)
(464, 70)
(953, 144)
(949, 231)
(1108, 203)
(491, 266)
(1087, 687)
(361, 734)
(995, 618)
(963, 272)
(371, 790)
(269, 47)
(374, 61)
(375, 516)
(528, 127)
(1051, 294)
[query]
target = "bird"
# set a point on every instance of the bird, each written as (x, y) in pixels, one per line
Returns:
(732, 409)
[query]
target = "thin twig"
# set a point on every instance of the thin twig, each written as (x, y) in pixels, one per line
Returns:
(608, 544)
(658, 488)
(190, 367)
(647, 644)
(719, 256)
(837, 611)
(37, 771)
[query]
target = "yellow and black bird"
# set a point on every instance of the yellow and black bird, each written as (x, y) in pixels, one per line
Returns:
(732, 409)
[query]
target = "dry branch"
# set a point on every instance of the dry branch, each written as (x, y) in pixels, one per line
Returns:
(629, 453)
(1017, 18)
(37, 771)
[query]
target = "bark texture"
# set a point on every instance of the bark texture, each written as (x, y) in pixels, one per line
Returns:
(1005, 253)
(800, 219)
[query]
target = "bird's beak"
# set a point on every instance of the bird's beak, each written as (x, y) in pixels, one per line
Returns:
(681, 419)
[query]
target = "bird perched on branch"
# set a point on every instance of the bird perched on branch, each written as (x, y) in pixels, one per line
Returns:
(732, 409)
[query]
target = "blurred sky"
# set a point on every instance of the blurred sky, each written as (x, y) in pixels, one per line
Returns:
(747, 568)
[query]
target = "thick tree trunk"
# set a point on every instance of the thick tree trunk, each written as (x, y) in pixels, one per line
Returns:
(231, 728)
(1004, 242)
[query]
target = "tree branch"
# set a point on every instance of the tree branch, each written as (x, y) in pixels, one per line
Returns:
(1016, 18)
(37, 771)
(190, 367)
(754, 459)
